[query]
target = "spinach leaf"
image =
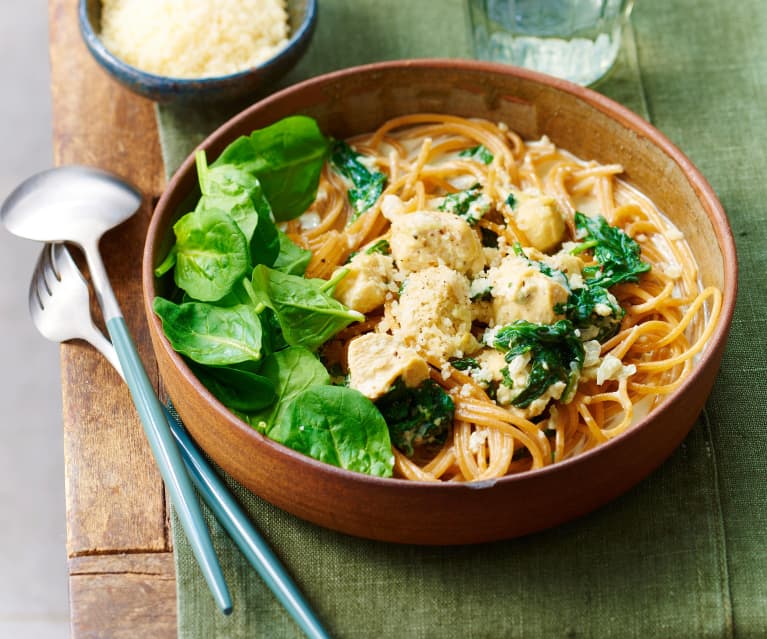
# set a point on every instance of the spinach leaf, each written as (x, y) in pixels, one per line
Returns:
(211, 254)
(273, 339)
(228, 188)
(290, 371)
(592, 306)
(287, 159)
(479, 153)
(167, 264)
(464, 363)
(418, 416)
(368, 185)
(339, 426)
(556, 355)
(618, 254)
(381, 246)
(212, 335)
(469, 205)
(292, 259)
(238, 389)
(307, 313)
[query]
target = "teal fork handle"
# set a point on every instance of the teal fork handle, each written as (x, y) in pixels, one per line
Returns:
(169, 461)
(232, 517)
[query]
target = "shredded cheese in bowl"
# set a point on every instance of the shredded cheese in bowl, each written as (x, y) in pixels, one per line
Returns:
(194, 38)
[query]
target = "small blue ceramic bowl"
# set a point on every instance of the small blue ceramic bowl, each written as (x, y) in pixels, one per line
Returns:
(302, 15)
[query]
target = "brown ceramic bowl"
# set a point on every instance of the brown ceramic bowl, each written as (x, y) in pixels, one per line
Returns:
(577, 119)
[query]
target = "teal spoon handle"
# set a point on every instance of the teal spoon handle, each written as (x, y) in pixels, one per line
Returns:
(169, 460)
(232, 517)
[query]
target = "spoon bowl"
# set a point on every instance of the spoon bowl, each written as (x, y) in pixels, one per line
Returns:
(74, 203)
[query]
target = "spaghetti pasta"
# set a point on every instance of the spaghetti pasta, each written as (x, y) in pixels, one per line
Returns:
(505, 232)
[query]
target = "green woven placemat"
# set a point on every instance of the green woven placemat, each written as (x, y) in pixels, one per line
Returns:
(684, 554)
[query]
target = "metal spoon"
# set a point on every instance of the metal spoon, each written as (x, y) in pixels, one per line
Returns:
(79, 204)
(58, 305)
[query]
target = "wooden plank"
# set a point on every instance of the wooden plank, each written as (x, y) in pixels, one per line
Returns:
(122, 581)
(123, 596)
(115, 499)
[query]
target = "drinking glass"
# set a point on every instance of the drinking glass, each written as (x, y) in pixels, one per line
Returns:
(577, 40)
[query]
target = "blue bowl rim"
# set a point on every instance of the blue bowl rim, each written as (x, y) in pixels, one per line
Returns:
(156, 82)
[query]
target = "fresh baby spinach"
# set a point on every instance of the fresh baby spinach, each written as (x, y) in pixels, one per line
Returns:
(287, 159)
(291, 259)
(291, 371)
(238, 389)
(307, 312)
(368, 185)
(211, 254)
(211, 335)
(229, 188)
(339, 426)
(248, 322)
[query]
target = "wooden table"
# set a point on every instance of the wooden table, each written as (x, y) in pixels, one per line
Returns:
(119, 547)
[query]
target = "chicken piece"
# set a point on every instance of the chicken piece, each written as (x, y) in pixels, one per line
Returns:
(434, 314)
(376, 360)
(491, 363)
(431, 238)
(521, 292)
(369, 279)
(539, 218)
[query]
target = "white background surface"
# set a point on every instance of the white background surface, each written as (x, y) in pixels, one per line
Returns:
(33, 573)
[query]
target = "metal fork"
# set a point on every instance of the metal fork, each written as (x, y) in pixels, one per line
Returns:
(59, 303)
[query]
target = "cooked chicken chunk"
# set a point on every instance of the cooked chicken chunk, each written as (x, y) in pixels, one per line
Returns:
(521, 292)
(423, 239)
(376, 360)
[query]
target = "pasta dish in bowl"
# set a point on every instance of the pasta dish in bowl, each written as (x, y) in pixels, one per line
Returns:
(438, 325)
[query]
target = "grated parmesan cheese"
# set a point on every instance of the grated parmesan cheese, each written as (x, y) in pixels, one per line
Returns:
(194, 38)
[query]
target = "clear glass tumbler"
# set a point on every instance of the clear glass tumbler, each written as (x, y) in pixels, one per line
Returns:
(577, 40)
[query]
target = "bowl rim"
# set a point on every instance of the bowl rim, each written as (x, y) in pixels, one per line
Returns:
(155, 82)
(705, 194)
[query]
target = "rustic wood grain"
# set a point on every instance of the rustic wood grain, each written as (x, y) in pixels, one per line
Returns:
(123, 596)
(115, 494)
(120, 557)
